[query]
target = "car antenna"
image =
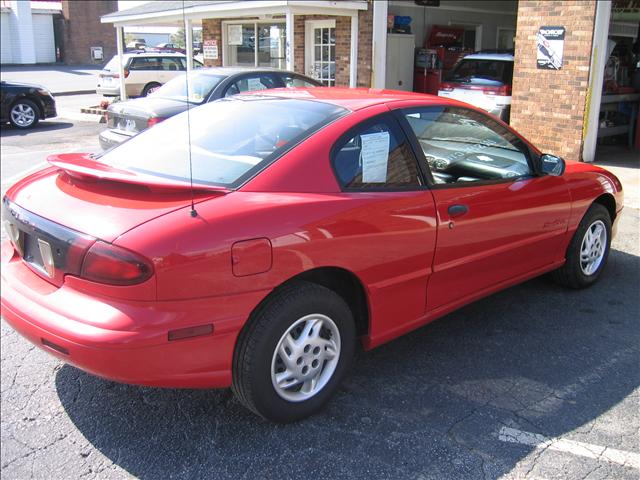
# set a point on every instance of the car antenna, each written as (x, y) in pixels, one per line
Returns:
(193, 212)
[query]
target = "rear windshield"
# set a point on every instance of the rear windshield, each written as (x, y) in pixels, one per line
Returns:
(482, 72)
(112, 65)
(231, 139)
(199, 88)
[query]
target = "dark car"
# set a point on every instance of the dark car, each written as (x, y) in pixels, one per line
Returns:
(126, 119)
(25, 104)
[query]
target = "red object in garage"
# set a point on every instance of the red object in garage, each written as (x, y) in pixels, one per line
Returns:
(443, 49)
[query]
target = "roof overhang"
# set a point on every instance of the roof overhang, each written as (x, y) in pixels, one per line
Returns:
(247, 8)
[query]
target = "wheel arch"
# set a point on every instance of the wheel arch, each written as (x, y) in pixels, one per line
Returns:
(607, 201)
(339, 280)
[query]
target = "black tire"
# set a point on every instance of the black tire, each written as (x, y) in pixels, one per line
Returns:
(571, 273)
(149, 87)
(24, 106)
(252, 362)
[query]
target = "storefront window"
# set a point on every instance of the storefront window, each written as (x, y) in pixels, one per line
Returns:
(243, 50)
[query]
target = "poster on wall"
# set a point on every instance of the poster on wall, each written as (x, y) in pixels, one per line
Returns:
(210, 49)
(235, 34)
(550, 42)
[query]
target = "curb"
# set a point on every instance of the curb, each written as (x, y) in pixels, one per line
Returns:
(73, 92)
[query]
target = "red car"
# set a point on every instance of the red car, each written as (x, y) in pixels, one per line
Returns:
(254, 251)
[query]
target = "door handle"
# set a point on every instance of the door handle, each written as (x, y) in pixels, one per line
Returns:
(457, 210)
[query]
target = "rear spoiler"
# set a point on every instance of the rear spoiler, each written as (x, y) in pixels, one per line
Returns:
(84, 167)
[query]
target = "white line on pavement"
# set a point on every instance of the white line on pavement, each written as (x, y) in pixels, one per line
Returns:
(18, 176)
(597, 452)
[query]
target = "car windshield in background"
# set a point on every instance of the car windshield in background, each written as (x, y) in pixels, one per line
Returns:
(199, 88)
(482, 72)
(231, 139)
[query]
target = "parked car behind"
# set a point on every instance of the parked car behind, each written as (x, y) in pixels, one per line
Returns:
(23, 105)
(125, 119)
(483, 80)
(144, 72)
(251, 242)
(169, 47)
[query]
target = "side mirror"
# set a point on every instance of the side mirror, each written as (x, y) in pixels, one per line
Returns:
(551, 165)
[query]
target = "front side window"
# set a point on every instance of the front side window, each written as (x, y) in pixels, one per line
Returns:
(375, 155)
(462, 145)
(228, 140)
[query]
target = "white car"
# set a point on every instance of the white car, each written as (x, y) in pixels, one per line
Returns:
(483, 80)
(144, 72)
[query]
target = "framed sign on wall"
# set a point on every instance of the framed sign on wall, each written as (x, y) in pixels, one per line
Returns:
(550, 44)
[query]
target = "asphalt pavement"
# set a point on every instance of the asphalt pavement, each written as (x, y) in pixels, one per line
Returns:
(59, 79)
(534, 382)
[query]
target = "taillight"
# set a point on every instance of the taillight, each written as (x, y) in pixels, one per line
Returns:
(106, 263)
(503, 91)
(154, 121)
(446, 87)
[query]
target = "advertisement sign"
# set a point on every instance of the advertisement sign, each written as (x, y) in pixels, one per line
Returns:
(210, 49)
(550, 42)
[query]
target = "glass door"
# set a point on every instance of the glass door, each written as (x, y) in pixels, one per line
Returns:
(320, 55)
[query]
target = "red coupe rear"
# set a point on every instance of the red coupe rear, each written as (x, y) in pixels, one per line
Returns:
(254, 249)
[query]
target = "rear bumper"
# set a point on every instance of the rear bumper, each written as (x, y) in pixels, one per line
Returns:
(109, 138)
(123, 340)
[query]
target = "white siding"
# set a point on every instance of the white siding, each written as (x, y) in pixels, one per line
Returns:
(43, 38)
(6, 55)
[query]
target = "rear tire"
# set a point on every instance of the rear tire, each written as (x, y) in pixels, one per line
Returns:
(291, 357)
(24, 114)
(588, 251)
(150, 88)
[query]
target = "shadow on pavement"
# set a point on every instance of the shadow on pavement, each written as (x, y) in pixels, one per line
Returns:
(43, 126)
(535, 357)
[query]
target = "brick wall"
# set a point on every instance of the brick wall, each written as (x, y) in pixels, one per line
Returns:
(548, 106)
(79, 29)
(212, 29)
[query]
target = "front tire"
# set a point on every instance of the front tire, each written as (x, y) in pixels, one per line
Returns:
(588, 251)
(24, 114)
(291, 357)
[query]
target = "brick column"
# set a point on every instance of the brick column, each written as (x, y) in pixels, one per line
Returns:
(81, 29)
(212, 30)
(548, 106)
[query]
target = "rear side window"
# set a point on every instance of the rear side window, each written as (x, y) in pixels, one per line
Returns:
(146, 63)
(251, 84)
(483, 72)
(375, 155)
(171, 64)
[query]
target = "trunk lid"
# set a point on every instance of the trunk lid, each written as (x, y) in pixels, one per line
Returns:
(132, 117)
(88, 197)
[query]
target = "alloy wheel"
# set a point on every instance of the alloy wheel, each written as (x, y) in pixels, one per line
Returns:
(23, 115)
(593, 247)
(305, 357)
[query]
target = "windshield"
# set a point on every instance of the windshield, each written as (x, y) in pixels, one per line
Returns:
(200, 86)
(231, 139)
(483, 72)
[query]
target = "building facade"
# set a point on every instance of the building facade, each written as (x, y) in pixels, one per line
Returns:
(565, 110)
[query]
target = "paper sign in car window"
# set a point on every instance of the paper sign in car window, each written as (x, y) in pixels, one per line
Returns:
(254, 84)
(375, 157)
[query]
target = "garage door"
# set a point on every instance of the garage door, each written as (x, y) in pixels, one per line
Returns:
(5, 39)
(43, 38)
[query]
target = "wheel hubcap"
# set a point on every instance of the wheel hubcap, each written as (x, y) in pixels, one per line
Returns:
(593, 247)
(305, 357)
(23, 115)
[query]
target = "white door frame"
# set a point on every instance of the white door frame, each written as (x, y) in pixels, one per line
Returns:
(309, 27)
